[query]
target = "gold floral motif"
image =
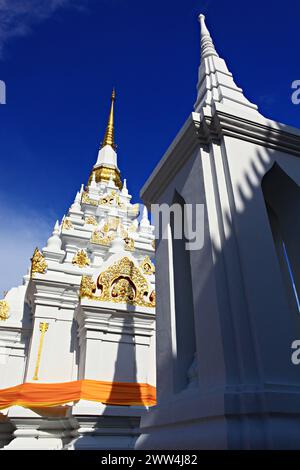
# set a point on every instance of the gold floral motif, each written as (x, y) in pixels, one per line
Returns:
(38, 263)
(4, 310)
(67, 224)
(91, 220)
(147, 266)
(87, 200)
(87, 287)
(122, 282)
(81, 259)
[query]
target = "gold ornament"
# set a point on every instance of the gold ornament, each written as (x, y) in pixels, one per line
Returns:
(129, 243)
(121, 282)
(99, 238)
(81, 259)
(147, 266)
(87, 200)
(123, 290)
(153, 244)
(43, 329)
(67, 224)
(104, 174)
(91, 220)
(4, 310)
(87, 287)
(38, 263)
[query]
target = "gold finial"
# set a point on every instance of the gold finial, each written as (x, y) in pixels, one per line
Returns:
(109, 138)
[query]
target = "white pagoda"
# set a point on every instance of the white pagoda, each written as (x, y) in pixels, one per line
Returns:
(77, 339)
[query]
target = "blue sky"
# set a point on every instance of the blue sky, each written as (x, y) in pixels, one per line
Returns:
(61, 58)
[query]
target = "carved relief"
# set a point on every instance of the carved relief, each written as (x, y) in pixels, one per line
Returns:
(4, 310)
(38, 263)
(81, 259)
(121, 282)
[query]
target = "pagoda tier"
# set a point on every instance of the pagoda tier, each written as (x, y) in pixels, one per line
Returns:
(78, 336)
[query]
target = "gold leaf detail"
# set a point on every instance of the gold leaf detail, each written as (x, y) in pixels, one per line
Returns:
(91, 220)
(81, 259)
(99, 238)
(123, 282)
(38, 263)
(147, 266)
(87, 287)
(87, 200)
(4, 310)
(67, 224)
(129, 243)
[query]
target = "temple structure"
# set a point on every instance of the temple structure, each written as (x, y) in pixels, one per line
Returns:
(77, 342)
(228, 313)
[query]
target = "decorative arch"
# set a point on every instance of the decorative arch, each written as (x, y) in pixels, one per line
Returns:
(121, 282)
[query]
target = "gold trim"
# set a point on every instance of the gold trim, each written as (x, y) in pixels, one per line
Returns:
(43, 329)
(4, 310)
(38, 263)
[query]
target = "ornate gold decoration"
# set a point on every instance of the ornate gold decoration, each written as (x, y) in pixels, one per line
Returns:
(81, 259)
(91, 220)
(129, 243)
(87, 200)
(147, 266)
(99, 238)
(43, 329)
(110, 199)
(123, 290)
(104, 173)
(4, 310)
(38, 263)
(109, 133)
(153, 244)
(67, 224)
(87, 287)
(121, 282)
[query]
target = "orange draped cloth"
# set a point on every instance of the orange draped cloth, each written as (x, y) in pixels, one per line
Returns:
(32, 395)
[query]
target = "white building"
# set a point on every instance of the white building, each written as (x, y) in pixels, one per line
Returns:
(228, 314)
(77, 343)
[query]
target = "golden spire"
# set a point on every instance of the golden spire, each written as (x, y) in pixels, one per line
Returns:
(109, 133)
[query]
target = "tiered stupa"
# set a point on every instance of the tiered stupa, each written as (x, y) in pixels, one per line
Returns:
(77, 343)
